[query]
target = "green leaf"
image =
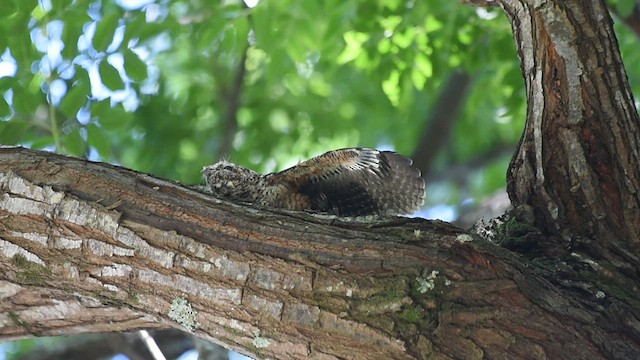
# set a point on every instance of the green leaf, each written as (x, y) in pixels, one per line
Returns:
(98, 138)
(104, 32)
(99, 109)
(353, 49)
(424, 65)
(113, 119)
(74, 143)
(60, 5)
(391, 87)
(6, 83)
(42, 142)
(75, 99)
(5, 109)
(148, 31)
(25, 102)
(13, 132)
(133, 26)
(625, 7)
(136, 69)
(71, 32)
(7, 8)
(110, 76)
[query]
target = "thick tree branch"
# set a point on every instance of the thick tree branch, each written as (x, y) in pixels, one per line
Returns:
(89, 247)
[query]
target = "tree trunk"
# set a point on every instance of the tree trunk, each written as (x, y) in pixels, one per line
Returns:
(577, 165)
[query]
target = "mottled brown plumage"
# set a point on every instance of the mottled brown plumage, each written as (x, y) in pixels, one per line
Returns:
(345, 182)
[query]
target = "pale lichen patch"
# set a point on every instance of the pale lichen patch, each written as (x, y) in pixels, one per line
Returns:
(182, 313)
(464, 238)
(427, 283)
(259, 341)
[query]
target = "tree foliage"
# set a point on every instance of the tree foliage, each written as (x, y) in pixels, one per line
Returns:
(149, 86)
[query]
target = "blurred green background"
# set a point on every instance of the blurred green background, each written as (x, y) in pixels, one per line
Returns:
(166, 87)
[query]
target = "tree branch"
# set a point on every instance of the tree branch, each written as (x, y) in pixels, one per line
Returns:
(442, 121)
(231, 95)
(90, 247)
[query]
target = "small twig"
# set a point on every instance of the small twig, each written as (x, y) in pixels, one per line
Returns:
(231, 96)
(151, 345)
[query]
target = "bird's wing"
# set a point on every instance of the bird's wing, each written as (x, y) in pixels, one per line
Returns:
(357, 182)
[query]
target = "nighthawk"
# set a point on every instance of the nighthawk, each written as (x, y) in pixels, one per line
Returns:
(344, 182)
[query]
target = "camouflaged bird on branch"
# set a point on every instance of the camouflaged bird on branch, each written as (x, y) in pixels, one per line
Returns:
(345, 182)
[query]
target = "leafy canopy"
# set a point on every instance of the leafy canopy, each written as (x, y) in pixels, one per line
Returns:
(159, 86)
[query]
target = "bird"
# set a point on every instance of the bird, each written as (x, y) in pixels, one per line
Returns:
(348, 182)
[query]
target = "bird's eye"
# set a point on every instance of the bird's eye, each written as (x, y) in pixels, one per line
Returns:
(228, 167)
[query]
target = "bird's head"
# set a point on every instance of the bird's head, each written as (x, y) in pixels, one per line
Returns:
(229, 180)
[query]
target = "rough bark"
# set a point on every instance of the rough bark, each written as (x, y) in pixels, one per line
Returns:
(90, 247)
(577, 165)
